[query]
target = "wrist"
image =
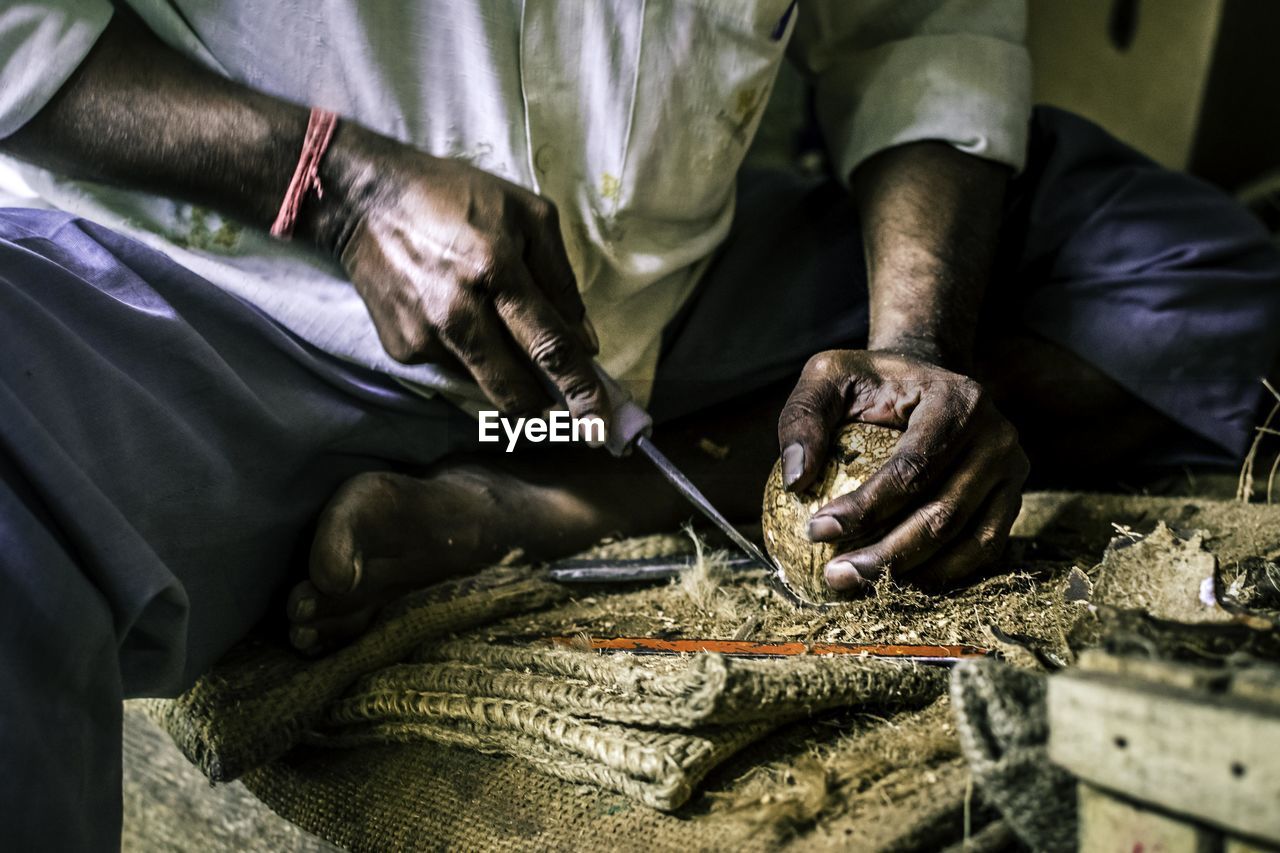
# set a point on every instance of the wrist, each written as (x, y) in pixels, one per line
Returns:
(925, 346)
(348, 181)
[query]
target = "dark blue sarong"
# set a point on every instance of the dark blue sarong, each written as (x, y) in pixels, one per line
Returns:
(164, 447)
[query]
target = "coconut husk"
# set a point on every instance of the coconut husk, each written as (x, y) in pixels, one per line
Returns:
(858, 452)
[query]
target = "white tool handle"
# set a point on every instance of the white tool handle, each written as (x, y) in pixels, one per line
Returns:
(629, 420)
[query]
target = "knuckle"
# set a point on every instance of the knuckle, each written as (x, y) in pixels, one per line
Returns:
(969, 395)
(857, 515)
(941, 519)
(484, 264)
(457, 328)
(989, 545)
(409, 346)
(1021, 467)
(581, 392)
(906, 471)
(544, 211)
(481, 272)
(800, 411)
(1006, 437)
(823, 364)
(843, 509)
(518, 403)
(885, 561)
(552, 353)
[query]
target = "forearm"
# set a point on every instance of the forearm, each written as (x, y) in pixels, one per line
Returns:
(930, 218)
(140, 115)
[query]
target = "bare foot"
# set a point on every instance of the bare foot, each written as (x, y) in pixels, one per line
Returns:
(384, 534)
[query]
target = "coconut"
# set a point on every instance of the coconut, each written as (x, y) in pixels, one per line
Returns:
(858, 452)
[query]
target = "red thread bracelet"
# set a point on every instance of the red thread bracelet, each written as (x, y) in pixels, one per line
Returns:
(306, 177)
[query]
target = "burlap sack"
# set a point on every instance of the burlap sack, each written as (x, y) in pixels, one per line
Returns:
(256, 703)
(645, 726)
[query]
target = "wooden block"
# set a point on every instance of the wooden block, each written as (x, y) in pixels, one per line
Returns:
(1185, 676)
(1110, 824)
(1212, 757)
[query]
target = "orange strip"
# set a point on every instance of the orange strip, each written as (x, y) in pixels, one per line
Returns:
(746, 647)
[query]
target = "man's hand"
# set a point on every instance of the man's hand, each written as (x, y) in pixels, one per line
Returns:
(453, 263)
(943, 504)
(457, 265)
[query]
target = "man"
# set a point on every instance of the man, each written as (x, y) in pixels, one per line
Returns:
(511, 189)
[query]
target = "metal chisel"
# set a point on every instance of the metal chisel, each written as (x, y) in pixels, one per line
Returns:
(630, 429)
(641, 570)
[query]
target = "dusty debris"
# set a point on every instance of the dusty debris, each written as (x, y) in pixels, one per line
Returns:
(704, 584)
(1161, 574)
(718, 452)
(1079, 588)
(873, 768)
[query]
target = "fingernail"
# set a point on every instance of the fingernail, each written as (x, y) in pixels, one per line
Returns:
(304, 638)
(792, 464)
(593, 339)
(304, 609)
(824, 527)
(843, 576)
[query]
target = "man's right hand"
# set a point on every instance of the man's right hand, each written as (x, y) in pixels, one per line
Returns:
(453, 263)
(461, 267)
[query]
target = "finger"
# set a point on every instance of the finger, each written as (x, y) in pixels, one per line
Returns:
(937, 430)
(479, 340)
(808, 419)
(541, 333)
(553, 274)
(926, 530)
(981, 547)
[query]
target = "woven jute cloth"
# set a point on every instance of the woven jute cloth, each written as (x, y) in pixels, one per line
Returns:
(1003, 725)
(426, 796)
(257, 702)
(675, 692)
(647, 727)
(657, 768)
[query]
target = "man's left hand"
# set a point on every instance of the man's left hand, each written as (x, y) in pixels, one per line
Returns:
(943, 504)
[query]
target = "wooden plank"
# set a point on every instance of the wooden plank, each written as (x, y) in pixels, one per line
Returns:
(1211, 757)
(1110, 824)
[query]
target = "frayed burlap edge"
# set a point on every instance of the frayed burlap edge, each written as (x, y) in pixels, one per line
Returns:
(707, 689)
(255, 707)
(660, 769)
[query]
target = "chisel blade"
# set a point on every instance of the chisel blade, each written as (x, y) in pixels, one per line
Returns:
(677, 478)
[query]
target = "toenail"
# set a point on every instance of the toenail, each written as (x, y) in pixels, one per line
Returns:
(357, 571)
(304, 638)
(304, 609)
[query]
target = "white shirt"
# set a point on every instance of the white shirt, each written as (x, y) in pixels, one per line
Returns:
(631, 115)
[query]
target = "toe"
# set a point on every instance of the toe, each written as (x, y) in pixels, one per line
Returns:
(325, 634)
(307, 603)
(336, 565)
